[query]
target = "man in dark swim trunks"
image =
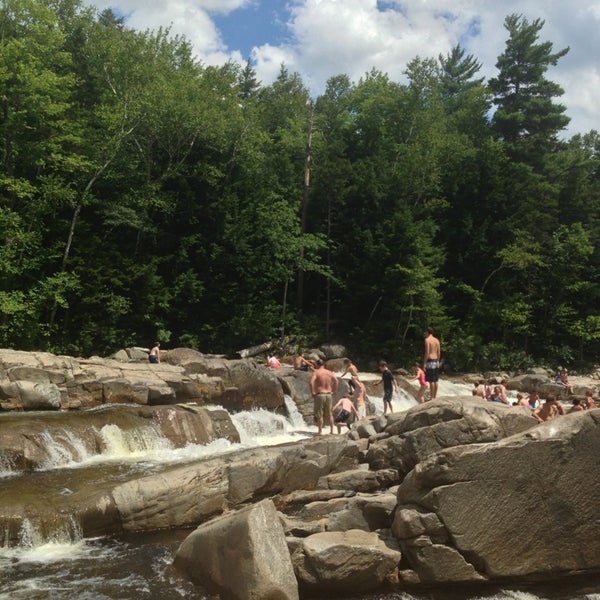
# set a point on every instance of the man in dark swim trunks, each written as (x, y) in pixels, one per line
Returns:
(431, 361)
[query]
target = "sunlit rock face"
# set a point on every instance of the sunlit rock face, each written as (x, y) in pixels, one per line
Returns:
(522, 506)
(43, 381)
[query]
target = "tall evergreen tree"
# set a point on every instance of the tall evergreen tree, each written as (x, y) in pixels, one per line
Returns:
(527, 118)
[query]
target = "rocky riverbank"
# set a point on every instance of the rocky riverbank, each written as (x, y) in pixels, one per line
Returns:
(453, 491)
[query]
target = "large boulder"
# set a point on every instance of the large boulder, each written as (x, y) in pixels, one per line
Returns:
(333, 351)
(209, 487)
(530, 382)
(524, 506)
(452, 421)
(31, 395)
(350, 562)
(252, 542)
(368, 512)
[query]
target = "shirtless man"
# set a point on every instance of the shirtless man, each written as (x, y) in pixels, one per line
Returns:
(303, 364)
(577, 406)
(323, 384)
(549, 410)
(346, 410)
(360, 397)
(431, 361)
(154, 356)
(350, 367)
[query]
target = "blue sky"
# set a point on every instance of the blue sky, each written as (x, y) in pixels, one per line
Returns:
(322, 38)
(254, 25)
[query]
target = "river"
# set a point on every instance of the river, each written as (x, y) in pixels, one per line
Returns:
(65, 566)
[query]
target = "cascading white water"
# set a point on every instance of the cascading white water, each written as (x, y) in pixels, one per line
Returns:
(62, 449)
(261, 427)
(401, 401)
(294, 415)
(65, 531)
(134, 442)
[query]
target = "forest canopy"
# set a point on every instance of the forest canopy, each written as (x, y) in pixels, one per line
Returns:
(145, 195)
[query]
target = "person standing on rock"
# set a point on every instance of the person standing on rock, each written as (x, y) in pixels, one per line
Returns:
(154, 356)
(350, 367)
(323, 384)
(360, 397)
(431, 361)
(423, 385)
(389, 385)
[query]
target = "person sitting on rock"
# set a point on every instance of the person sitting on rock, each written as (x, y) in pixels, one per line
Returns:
(577, 406)
(533, 400)
(273, 361)
(154, 356)
(551, 409)
(301, 363)
(478, 390)
(522, 401)
(563, 379)
(589, 400)
(346, 410)
(487, 390)
(498, 396)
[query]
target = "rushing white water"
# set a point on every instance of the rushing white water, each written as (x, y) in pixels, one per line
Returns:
(261, 427)
(401, 401)
(147, 444)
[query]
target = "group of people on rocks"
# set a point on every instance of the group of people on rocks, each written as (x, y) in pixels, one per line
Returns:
(541, 411)
(323, 384)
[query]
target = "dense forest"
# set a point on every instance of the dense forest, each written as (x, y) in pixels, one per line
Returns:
(144, 195)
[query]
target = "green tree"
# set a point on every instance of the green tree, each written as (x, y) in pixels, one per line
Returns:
(527, 118)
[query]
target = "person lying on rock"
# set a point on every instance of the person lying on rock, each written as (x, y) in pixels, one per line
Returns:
(346, 410)
(551, 409)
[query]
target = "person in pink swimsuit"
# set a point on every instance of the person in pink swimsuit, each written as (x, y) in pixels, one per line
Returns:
(420, 377)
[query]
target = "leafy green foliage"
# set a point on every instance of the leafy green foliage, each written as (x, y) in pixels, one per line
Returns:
(146, 196)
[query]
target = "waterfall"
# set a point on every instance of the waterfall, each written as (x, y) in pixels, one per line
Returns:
(62, 449)
(65, 531)
(401, 401)
(294, 415)
(261, 427)
(134, 442)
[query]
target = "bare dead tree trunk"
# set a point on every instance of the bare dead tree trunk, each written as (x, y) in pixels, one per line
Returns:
(305, 198)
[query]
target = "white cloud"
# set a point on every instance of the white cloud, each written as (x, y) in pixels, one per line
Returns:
(329, 37)
(189, 18)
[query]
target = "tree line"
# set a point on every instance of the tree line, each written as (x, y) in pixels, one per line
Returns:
(145, 195)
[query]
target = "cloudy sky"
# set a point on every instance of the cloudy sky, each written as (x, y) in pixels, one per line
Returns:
(322, 38)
